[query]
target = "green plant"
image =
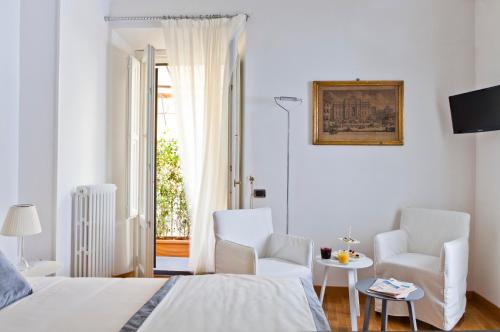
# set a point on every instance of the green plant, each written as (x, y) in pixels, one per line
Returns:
(172, 214)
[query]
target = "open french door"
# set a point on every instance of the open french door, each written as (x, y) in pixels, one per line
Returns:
(142, 152)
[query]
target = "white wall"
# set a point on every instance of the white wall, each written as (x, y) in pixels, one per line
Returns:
(9, 114)
(37, 119)
(487, 228)
(81, 152)
(422, 42)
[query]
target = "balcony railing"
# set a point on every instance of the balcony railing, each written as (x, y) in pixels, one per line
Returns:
(173, 229)
(172, 214)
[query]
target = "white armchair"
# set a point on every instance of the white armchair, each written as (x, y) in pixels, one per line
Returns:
(246, 244)
(431, 250)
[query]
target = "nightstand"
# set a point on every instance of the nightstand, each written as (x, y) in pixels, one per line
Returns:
(41, 269)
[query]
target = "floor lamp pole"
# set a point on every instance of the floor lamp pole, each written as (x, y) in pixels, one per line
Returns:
(287, 172)
(277, 100)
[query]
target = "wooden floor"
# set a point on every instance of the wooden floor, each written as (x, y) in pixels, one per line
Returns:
(478, 316)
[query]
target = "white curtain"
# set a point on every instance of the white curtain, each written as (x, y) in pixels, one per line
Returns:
(201, 57)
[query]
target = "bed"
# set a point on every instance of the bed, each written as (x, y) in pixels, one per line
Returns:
(187, 303)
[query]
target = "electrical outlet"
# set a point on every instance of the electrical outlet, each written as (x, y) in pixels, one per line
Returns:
(259, 193)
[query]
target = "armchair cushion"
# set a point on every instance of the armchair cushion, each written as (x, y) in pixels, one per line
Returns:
(275, 267)
(411, 263)
(291, 248)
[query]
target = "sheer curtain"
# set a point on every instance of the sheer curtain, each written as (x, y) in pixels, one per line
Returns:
(201, 56)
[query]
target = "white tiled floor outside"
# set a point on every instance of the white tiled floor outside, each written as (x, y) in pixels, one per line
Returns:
(172, 263)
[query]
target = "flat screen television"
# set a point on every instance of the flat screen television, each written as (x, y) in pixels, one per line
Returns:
(476, 111)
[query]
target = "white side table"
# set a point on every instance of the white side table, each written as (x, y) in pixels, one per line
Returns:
(41, 269)
(352, 277)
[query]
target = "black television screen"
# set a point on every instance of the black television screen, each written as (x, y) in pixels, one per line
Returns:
(476, 111)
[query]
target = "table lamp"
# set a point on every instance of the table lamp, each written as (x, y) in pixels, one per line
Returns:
(22, 220)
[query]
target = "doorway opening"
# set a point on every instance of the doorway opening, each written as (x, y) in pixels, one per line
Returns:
(156, 202)
(172, 220)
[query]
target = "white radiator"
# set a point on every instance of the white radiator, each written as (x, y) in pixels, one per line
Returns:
(93, 230)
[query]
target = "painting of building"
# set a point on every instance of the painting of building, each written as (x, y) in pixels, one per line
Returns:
(358, 112)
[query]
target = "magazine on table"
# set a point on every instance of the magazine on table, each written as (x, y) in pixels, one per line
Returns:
(392, 288)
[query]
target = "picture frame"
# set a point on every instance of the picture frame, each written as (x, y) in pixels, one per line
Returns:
(358, 112)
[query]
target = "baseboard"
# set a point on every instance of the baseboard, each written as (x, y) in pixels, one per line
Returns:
(484, 303)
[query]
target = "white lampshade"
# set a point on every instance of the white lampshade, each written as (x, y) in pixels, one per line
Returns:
(21, 220)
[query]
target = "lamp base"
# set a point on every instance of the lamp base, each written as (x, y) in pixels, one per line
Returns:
(22, 263)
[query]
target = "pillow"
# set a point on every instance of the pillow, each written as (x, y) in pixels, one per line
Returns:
(13, 286)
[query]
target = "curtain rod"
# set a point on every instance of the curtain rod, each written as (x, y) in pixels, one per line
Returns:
(169, 17)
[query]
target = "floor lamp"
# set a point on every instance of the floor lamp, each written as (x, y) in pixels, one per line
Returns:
(278, 101)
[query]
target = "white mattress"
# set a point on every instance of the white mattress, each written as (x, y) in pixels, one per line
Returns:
(195, 303)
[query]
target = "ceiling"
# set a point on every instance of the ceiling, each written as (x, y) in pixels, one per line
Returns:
(138, 38)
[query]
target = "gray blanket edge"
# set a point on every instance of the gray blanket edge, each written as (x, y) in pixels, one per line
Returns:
(315, 306)
(135, 322)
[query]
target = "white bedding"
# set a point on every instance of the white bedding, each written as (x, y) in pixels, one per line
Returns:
(195, 303)
(233, 303)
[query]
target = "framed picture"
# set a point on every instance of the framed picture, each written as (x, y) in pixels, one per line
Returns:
(358, 112)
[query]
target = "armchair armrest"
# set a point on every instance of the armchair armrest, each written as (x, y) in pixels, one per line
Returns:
(295, 249)
(454, 260)
(231, 257)
(389, 244)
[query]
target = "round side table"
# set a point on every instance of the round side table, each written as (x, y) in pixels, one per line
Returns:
(352, 277)
(363, 285)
